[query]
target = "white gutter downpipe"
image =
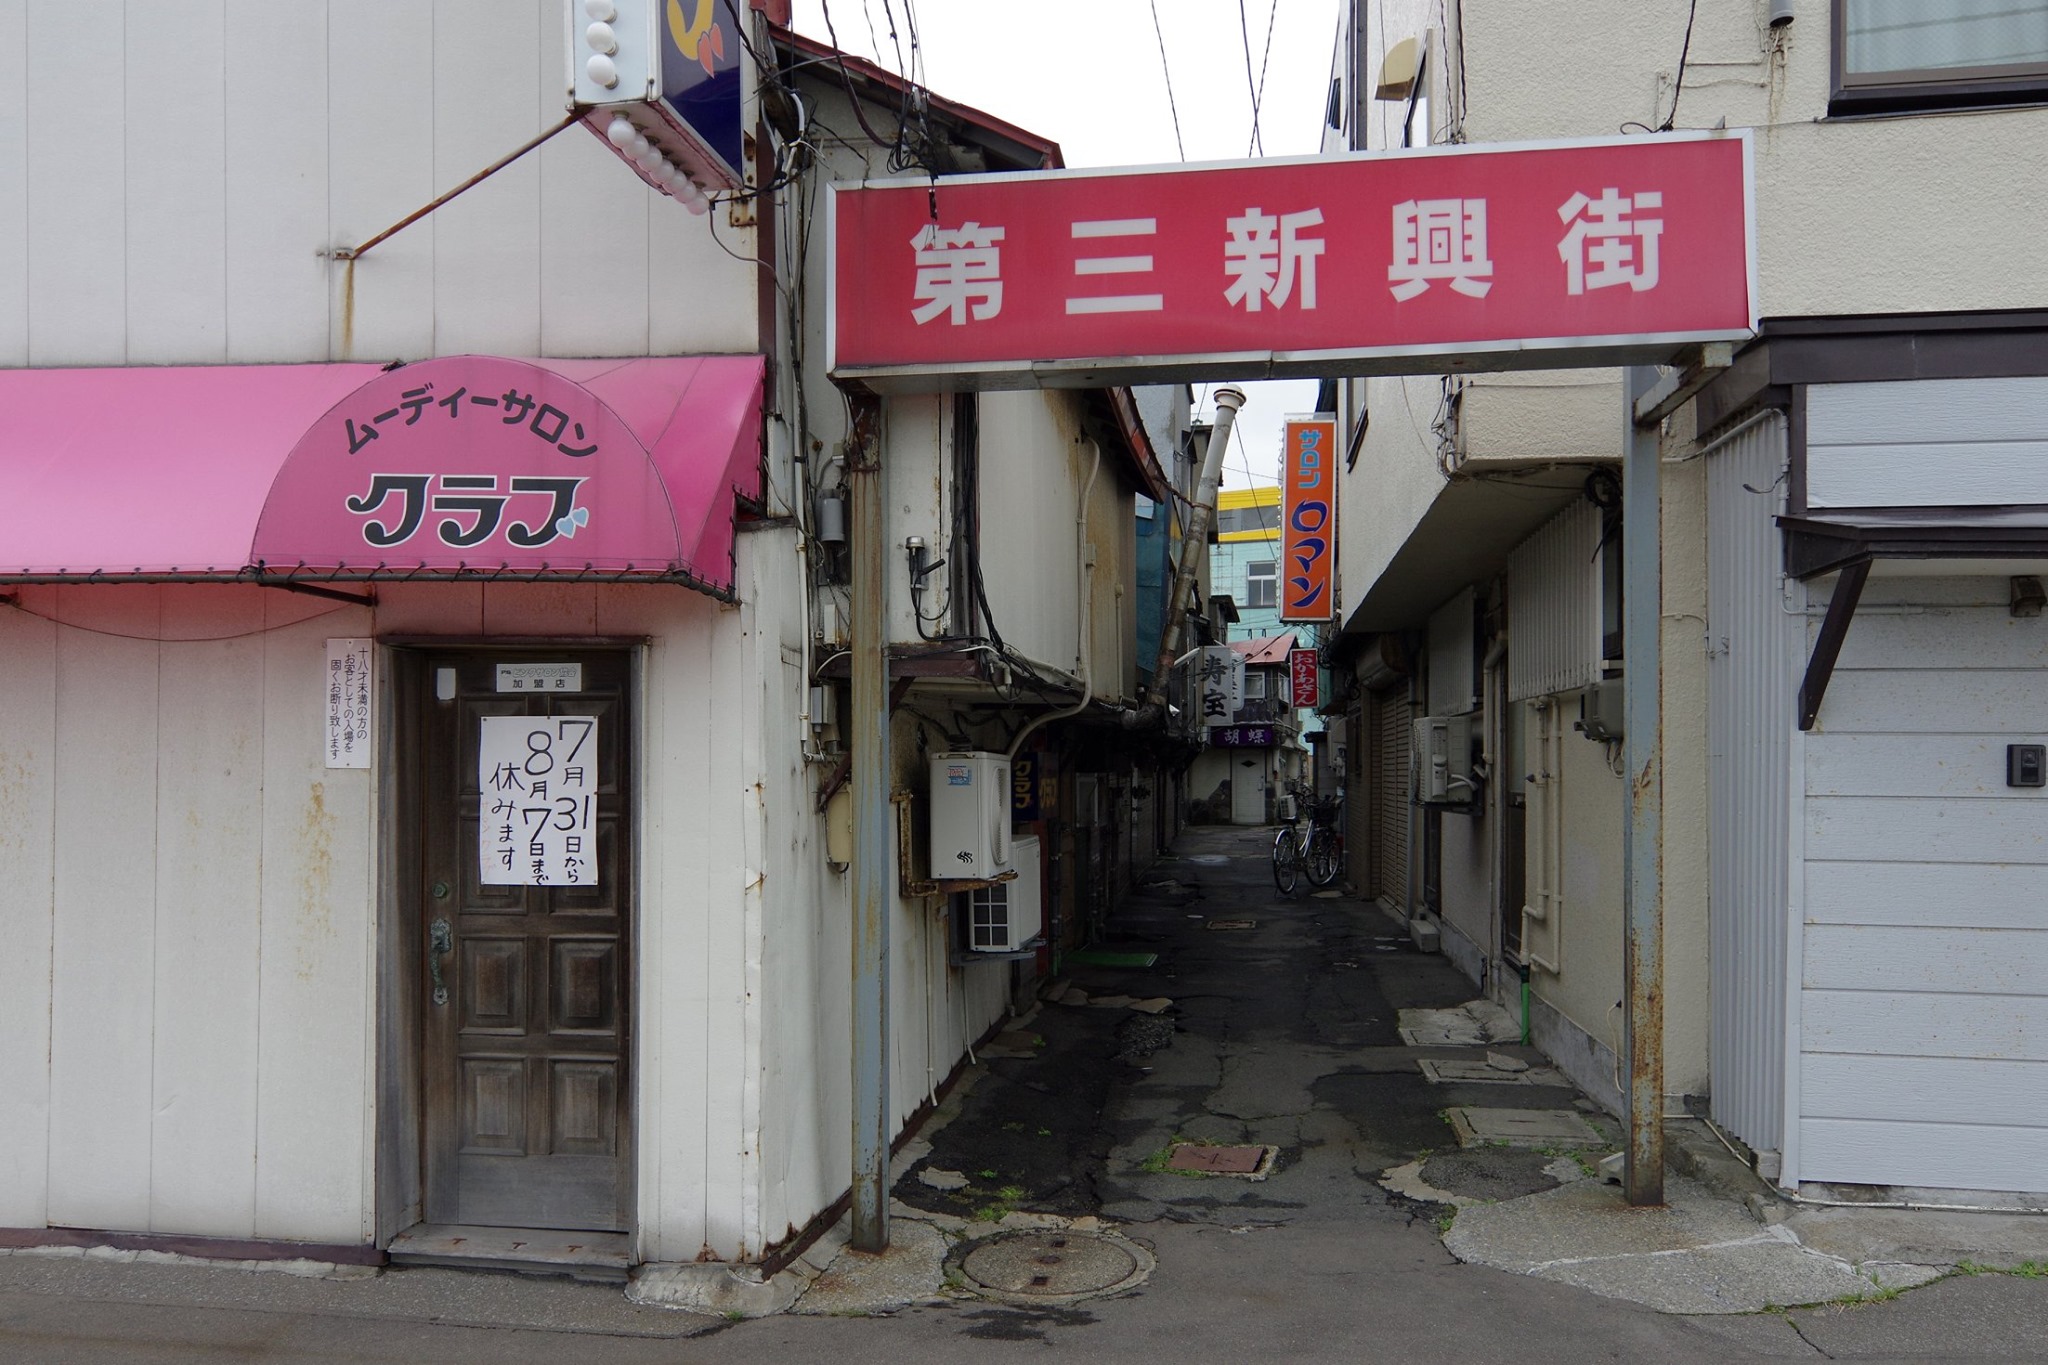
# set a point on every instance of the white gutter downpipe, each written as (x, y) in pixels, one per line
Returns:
(1196, 543)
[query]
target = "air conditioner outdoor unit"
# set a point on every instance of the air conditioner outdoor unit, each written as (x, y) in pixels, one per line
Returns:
(1443, 761)
(1006, 916)
(970, 821)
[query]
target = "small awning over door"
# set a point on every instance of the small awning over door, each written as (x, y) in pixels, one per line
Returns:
(459, 467)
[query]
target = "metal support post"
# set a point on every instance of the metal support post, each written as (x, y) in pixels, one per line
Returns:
(869, 750)
(1643, 843)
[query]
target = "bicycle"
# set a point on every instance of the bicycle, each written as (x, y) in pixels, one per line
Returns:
(1286, 859)
(1316, 852)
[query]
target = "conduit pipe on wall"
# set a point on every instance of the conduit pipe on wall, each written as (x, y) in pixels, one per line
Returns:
(1546, 907)
(1084, 610)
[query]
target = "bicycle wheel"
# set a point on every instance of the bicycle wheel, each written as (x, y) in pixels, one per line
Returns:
(1286, 861)
(1324, 861)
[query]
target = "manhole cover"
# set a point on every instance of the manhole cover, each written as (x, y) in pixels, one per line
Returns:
(1040, 1267)
(1255, 1162)
(1231, 925)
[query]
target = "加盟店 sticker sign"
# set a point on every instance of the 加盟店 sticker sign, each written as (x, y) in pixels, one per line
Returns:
(1490, 257)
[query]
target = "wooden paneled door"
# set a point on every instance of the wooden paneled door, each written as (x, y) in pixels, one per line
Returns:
(527, 1000)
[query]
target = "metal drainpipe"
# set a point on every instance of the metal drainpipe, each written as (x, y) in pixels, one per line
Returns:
(1196, 543)
(869, 779)
(1643, 844)
(1418, 705)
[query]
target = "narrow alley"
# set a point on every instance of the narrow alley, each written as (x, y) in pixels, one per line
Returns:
(1217, 1016)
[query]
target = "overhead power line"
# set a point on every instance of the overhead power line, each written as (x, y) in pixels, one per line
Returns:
(1166, 72)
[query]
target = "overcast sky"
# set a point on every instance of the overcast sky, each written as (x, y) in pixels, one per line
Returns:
(1091, 78)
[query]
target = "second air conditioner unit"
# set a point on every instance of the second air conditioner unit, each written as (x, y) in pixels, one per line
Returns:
(1443, 761)
(1007, 916)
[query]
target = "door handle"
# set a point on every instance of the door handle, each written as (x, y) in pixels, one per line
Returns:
(440, 941)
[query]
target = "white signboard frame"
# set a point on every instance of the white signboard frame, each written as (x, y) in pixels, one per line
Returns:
(537, 777)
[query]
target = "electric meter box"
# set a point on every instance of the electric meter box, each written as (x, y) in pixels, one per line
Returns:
(970, 815)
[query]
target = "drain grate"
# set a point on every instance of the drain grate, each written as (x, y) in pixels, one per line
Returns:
(1234, 925)
(1052, 1267)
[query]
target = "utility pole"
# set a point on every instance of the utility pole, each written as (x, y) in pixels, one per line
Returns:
(869, 777)
(1642, 570)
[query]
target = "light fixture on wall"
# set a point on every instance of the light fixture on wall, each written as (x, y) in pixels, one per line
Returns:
(1398, 71)
(638, 149)
(2028, 598)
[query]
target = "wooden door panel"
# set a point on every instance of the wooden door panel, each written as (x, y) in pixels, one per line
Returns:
(526, 1110)
(584, 1104)
(475, 897)
(493, 1104)
(493, 976)
(584, 976)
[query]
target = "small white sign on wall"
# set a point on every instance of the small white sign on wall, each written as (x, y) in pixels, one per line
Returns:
(538, 779)
(540, 677)
(349, 729)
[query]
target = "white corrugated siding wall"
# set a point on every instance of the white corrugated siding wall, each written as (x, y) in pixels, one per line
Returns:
(1924, 964)
(1554, 606)
(1753, 666)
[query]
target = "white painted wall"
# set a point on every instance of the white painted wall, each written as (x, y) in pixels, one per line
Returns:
(195, 907)
(184, 218)
(193, 894)
(1924, 949)
(1854, 216)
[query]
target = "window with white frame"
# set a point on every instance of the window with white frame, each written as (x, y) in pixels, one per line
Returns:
(1893, 56)
(1261, 583)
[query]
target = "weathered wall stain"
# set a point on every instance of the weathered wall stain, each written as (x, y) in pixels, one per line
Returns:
(315, 921)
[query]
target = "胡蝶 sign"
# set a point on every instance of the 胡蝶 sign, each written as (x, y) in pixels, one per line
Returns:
(349, 701)
(537, 776)
(1534, 254)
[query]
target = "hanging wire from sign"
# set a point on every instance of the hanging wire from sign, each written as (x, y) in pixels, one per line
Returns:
(1244, 30)
(1166, 73)
(1678, 85)
(1265, 60)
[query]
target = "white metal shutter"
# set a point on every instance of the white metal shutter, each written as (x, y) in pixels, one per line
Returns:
(1391, 714)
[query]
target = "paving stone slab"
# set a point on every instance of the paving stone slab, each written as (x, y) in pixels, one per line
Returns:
(1477, 1127)
(1468, 1073)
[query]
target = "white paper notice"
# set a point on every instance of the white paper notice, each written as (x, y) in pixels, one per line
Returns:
(349, 735)
(538, 779)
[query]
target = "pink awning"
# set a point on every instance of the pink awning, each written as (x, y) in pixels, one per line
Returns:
(464, 466)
